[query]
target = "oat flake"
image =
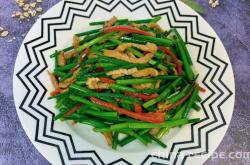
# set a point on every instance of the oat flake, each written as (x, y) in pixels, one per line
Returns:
(4, 33)
(33, 5)
(39, 9)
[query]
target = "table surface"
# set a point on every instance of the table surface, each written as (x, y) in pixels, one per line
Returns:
(231, 21)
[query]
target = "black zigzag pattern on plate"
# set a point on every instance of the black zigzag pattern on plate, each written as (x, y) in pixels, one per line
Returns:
(66, 142)
(207, 63)
(119, 161)
(48, 123)
(204, 81)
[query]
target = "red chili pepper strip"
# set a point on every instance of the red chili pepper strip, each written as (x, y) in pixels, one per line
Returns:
(173, 56)
(156, 117)
(107, 80)
(202, 89)
(84, 54)
(55, 92)
(138, 108)
(73, 110)
(174, 105)
(58, 91)
(144, 97)
(127, 29)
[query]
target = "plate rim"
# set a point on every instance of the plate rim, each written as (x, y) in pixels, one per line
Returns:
(229, 64)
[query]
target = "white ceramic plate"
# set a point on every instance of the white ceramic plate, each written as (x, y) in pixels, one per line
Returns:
(61, 143)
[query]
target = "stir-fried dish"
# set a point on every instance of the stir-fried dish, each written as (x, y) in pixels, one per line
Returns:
(129, 79)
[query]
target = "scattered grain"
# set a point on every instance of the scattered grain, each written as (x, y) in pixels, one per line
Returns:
(21, 4)
(27, 5)
(32, 13)
(4, 33)
(33, 4)
(26, 14)
(39, 9)
(21, 17)
(28, 10)
(1, 29)
(214, 3)
(17, 14)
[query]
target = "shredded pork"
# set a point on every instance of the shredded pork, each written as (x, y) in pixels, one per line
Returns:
(76, 41)
(95, 83)
(53, 80)
(149, 47)
(121, 72)
(118, 53)
(70, 54)
(66, 83)
(109, 138)
(143, 86)
(147, 72)
(155, 26)
(123, 56)
(61, 59)
(110, 22)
